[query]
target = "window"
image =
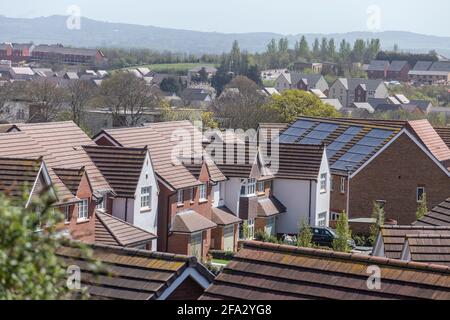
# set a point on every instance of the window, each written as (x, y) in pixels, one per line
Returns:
(323, 183)
(221, 190)
(67, 214)
(270, 226)
(334, 216)
(228, 238)
(419, 194)
(83, 210)
(342, 184)
(203, 194)
(261, 187)
(196, 245)
(322, 219)
(251, 229)
(191, 195)
(146, 197)
(248, 187)
(331, 183)
(102, 204)
(180, 198)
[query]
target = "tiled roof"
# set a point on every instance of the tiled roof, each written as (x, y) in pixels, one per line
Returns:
(189, 221)
(270, 206)
(71, 178)
(397, 65)
(222, 216)
(4, 128)
(263, 271)
(63, 141)
(269, 127)
(121, 167)
(129, 274)
(428, 248)
(444, 133)
(350, 142)
(18, 175)
(394, 237)
(352, 83)
(434, 143)
(162, 139)
(20, 145)
(438, 216)
(378, 65)
(110, 230)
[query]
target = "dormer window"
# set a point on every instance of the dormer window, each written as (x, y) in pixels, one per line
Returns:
(248, 187)
(83, 210)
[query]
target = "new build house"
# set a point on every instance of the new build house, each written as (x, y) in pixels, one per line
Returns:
(301, 81)
(186, 178)
(348, 91)
(386, 153)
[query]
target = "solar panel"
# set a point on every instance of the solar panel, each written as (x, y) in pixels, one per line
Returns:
(318, 135)
(353, 130)
(310, 141)
(326, 127)
(379, 133)
(365, 150)
(294, 132)
(343, 165)
(336, 146)
(303, 124)
(288, 139)
(344, 138)
(373, 142)
(331, 153)
(353, 157)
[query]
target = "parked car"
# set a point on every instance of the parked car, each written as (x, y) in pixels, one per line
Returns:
(324, 236)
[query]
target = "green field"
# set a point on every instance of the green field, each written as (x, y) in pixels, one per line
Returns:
(173, 68)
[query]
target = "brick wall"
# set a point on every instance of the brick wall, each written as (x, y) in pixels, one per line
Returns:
(394, 177)
(189, 289)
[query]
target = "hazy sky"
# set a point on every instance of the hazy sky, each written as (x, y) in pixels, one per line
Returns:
(281, 16)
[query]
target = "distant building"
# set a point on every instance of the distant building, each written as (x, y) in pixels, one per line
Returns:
(349, 91)
(301, 81)
(428, 72)
(378, 69)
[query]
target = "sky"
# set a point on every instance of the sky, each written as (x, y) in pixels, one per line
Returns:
(239, 16)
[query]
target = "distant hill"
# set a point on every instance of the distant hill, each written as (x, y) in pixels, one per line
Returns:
(105, 34)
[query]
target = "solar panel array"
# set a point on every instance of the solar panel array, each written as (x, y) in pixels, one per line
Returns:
(314, 133)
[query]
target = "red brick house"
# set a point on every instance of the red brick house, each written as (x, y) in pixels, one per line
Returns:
(393, 162)
(186, 178)
(378, 69)
(398, 71)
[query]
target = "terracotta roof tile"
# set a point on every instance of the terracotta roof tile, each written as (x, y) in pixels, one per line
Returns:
(190, 221)
(18, 175)
(270, 271)
(438, 216)
(71, 178)
(126, 273)
(110, 230)
(429, 248)
(270, 206)
(444, 133)
(222, 216)
(431, 139)
(394, 237)
(121, 167)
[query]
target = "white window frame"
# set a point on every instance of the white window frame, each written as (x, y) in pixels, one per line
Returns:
(228, 230)
(194, 236)
(248, 187)
(67, 214)
(420, 199)
(331, 183)
(146, 197)
(102, 205)
(259, 185)
(83, 210)
(191, 195)
(322, 221)
(271, 221)
(221, 191)
(180, 197)
(203, 192)
(342, 187)
(323, 182)
(251, 229)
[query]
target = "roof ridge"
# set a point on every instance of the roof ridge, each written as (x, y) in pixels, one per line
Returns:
(348, 256)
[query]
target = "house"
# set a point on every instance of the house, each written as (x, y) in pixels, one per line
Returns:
(349, 91)
(194, 74)
(391, 239)
(5, 51)
(130, 173)
(265, 271)
(378, 69)
(79, 185)
(72, 56)
(409, 108)
(197, 96)
(186, 186)
(386, 153)
(301, 81)
(438, 216)
(334, 103)
(131, 274)
(428, 72)
(398, 71)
